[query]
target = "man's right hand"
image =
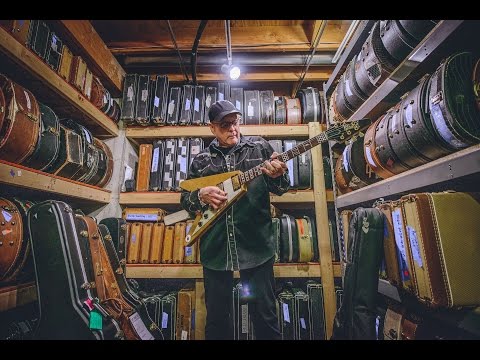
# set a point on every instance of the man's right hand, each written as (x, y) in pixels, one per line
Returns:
(213, 196)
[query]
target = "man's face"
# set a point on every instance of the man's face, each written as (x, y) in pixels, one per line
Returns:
(228, 130)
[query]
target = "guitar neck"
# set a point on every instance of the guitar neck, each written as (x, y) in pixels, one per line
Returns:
(251, 174)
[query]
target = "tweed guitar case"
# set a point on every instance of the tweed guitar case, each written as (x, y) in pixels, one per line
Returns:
(20, 128)
(391, 252)
(190, 251)
(182, 162)
(312, 231)
(305, 243)
(281, 110)
(144, 164)
(251, 106)
(294, 114)
(186, 107)
(240, 314)
(78, 73)
(70, 155)
(117, 228)
(130, 295)
(168, 243)
(287, 315)
(236, 99)
(198, 105)
(64, 277)
(156, 245)
(15, 252)
(310, 104)
(289, 249)
(355, 320)
(65, 66)
(210, 98)
(160, 100)
(108, 289)
(178, 241)
(129, 99)
(292, 164)
(316, 310)
(145, 243)
(173, 108)
(156, 170)
(48, 145)
(133, 246)
(186, 315)
(20, 29)
(445, 264)
(168, 183)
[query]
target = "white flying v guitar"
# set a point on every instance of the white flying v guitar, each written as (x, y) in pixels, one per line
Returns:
(234, 183)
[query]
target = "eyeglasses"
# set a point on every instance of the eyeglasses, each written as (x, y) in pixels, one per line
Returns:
(226, 125)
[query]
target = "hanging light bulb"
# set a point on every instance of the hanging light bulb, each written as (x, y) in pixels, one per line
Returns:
(233, 71)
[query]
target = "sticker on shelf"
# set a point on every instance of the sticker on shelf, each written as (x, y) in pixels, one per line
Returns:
(140, 327)
(141, 217)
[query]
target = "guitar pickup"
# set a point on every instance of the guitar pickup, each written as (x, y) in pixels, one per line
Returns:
(236, 182)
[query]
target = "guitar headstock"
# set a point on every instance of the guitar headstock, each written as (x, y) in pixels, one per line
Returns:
(342, 132)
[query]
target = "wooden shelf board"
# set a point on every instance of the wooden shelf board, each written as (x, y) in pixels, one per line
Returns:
(17, 295)
(173, 198)
(51, 89)
(194, 271)
(18, 175)
(267, 131)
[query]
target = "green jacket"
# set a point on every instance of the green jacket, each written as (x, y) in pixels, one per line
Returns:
(242, 237)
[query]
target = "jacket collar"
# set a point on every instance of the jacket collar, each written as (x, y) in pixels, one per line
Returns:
(244, 141)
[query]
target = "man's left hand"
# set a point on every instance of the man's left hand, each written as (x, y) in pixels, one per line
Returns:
(275, 167)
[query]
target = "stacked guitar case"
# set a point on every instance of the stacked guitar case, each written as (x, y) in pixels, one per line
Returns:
(310, 104)
(210, 98)
(198, 105)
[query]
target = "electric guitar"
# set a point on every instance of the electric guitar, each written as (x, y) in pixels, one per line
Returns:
(234, 183)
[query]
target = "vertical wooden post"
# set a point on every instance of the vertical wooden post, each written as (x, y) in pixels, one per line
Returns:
(323, 234)
(200, 310)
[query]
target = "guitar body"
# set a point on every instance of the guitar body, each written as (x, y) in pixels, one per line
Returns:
(229, 183)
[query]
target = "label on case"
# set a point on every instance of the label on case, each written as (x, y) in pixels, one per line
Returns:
(345, 160)
(208, 101)
(443, 129)
(286, 314)
(196, 105)
(184, 335)
(156, 101)
(249, 109)
(129, 94)
(412, 235)
(164, 320)
(237, 105)
(156, 152)
(188, 251)
(144, 95)
(6, 215)
(302, 323)
(398, 229)
(409, 115)
(195, 149)
(29, 104)
(141, 217)
(347, 88)
(187, 105)
(140, 327)
(171, 107)
(369, 157)
(220, 96)
(244, 312)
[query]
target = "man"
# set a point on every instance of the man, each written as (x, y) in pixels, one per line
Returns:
(242, 238)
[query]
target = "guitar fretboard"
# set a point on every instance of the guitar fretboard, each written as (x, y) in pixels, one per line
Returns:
(285, 156)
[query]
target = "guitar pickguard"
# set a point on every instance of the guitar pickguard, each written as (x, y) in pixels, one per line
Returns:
(204, 220)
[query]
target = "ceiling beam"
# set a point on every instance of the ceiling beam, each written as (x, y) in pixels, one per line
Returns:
(247, 38)
(84, 41)
(311, 30)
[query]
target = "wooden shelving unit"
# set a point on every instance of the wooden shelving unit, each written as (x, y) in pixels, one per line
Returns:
(17, 295)
(194, 271)
(50, 88)
(20, 176)
(147, 134)
(172, 198)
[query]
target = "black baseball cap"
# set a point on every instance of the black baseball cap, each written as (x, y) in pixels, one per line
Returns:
(220, 109)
